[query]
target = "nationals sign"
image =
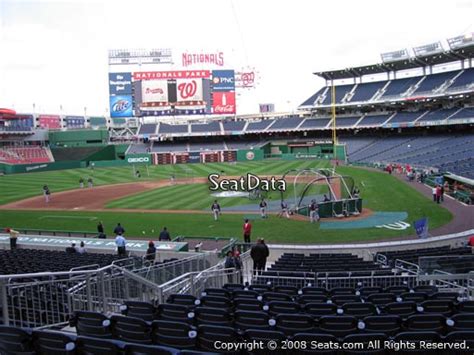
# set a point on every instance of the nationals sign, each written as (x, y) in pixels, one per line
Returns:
(189, 89)
(154, 91)
(171, 74)
(223, 102)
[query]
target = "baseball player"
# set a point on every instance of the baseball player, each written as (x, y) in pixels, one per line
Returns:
(263, 208)
(46, 193)
(313, 211)
(81, 183)
(90, 182)
(216, 210)
(284, 210)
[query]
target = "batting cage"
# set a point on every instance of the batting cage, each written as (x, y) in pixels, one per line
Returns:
(334, 193)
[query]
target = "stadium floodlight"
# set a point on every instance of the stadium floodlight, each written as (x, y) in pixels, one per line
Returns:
(395, 56)
(461, 41)
(140, 56)
(428, 49)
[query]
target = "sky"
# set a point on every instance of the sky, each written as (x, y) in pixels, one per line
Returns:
(53, 54)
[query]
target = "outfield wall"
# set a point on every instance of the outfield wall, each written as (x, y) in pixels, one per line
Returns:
(28, 168)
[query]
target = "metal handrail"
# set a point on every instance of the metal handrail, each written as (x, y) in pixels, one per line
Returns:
(400, 264)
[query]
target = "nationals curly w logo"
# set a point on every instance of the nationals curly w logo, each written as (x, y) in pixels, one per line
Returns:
(187, 90)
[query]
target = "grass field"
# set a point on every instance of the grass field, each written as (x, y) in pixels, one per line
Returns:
(379, 191)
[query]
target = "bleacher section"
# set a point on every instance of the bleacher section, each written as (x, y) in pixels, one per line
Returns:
(206, 127)
(258, 125)
(442, 83)
(24, 155)
(147, 129)
(443, 151)
(168, 128)
(24, 261)
(283, 124)
(405, 117)
(234, 126)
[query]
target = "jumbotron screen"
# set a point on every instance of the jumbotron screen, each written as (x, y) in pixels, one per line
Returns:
(173, 92)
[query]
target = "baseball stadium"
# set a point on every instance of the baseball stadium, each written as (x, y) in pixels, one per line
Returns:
(175, 225)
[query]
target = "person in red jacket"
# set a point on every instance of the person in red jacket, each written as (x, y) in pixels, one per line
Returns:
(247, 231)
(438, 193)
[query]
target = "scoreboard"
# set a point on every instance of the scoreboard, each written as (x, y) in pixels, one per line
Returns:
(172, 92)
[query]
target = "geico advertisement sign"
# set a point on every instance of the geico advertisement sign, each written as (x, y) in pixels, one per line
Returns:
(138, 160)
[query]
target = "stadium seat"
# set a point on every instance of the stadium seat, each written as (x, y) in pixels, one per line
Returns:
(209, 334)
(289, 290)
(265, 336)
(173, 334)
(234, 287)
(244, 320)
(260, 288)
(387, 324)
(220, 292)
(444, 307)
(465, 307)
(339, 326)
(426, 322)
(280, 307)
(215, 316)
(428, 289)
(311, 298)
(15, 341)
(276, 296)
(174, 312)
(462, 321)
(314, 291)
(402, 309)
(133, 330)
(185, 300)
(459, 337)
(247, 304)
(417, 297)
(142, 310)
(359, 309)
(92, 324)
(294, 323)
(450, 296)
(345, 298)
(317, 310)
(414, 338)
(53, 343)
(245, 294)
(381, 298)
(89, 345)
(366, 291)
(216, 302)
(397, 290)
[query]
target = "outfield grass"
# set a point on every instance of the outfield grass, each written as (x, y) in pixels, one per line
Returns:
(380, 192)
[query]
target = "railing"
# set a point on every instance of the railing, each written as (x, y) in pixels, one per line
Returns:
(381, 259)
(37, 300)
(405, 266)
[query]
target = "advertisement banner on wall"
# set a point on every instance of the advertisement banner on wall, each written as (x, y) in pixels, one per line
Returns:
(155, 91)
(121, 106)
(189, 89)
(194, 157)
(120, 83)
(223, 80)
(223, 102)
(49, 121)
(138, 158)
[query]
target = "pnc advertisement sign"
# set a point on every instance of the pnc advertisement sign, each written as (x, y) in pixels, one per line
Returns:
(223, 80)
(120, 83)
(138, 159)
(121, 106)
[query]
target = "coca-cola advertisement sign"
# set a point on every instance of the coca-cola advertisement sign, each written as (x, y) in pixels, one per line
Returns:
(223, 102)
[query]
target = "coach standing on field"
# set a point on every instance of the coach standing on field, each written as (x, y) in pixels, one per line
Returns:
(216, 210)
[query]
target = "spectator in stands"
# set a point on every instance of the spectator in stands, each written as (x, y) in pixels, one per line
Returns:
(46, 193)
(433, 191)
(470, 242)
(90, 182)
(441, 188)
(313, 212)
(263, 208)
(267, 253)
(258, 253)
(71, 249)
(13, 237)
(438, 193)
(164, 235)
(389, 169)
(81, 249)
(81, 183)
(151, 252)
(230, 265)
(121, 243)
(216, 210)
(247, 231)
(100, 231)
(119, 229)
